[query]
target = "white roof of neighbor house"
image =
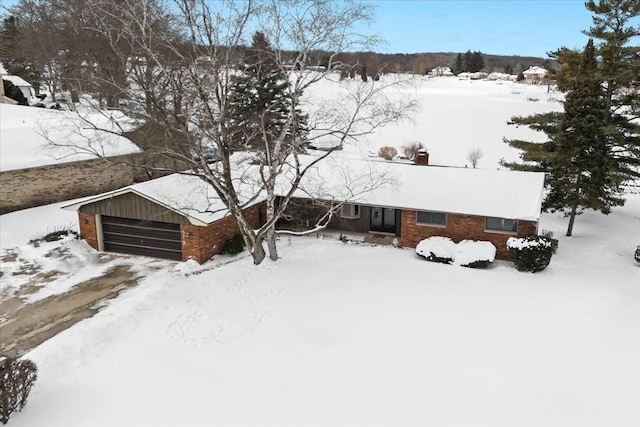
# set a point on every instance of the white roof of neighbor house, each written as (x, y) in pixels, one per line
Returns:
(26, 132)
(482, 192)
(17, 81)
(535, 70)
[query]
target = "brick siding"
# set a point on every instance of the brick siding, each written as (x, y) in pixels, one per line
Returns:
(88, 229)
(25, 188)
(461, 227)
(201, 243)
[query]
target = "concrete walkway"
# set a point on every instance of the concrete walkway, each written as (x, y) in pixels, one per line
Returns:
(28, 325)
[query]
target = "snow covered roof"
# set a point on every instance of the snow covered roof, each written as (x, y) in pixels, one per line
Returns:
(497, 193)
(535, 71)
(200, 205)
(26, 132)
(17, 81)
(483, 192)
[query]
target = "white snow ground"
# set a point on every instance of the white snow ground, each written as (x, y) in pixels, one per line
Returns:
(340, 334)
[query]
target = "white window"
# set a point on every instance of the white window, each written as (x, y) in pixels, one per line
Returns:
(350, 211)
(431, 218)
(501, 224)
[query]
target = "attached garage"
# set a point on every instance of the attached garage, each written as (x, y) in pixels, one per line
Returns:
(149, 238)
(144, 219)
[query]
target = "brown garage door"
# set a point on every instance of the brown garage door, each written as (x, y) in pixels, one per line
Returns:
(150, 238)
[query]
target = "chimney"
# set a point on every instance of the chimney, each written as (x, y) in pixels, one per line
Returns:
(422, 158)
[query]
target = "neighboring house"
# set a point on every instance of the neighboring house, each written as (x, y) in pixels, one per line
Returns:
(5, 99)
(441, 72)
(159, 218)
(34, 172)
(535, 74)
(25, 87)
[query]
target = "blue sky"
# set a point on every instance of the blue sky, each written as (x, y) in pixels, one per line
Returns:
(503, 27)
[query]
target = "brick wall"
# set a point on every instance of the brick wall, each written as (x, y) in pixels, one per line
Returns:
(461, 227)
(25, 188)
(201, 243)
(88, 229)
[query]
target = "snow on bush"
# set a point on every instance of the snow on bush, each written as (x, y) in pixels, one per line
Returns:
(437, 249)
(467, 253)
(532, 253)
(475, 254)
(637, 254)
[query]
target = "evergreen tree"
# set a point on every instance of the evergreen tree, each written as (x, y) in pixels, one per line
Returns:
(583, 173)
(261, 109)
(12, 55)
(476, 62)
(466, 61)
(619, 62)
(459, 68)
(594, 146)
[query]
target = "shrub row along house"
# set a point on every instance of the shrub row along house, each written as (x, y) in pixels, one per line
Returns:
(402, 201)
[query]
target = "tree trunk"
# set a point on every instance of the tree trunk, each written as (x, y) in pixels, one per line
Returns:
(572, 217)
(271, 244)
(257, 252)
(271, 211)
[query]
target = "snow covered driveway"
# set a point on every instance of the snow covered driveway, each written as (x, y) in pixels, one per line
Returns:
(349, 335)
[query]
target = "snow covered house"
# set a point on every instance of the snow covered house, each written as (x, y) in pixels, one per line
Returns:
(34, 172)
(535, 74)
(441, 72)
(25, 87)
(413, 202)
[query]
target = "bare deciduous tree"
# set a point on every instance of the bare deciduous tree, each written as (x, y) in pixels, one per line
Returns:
(410, 151)
(182, 88)
(474, 156)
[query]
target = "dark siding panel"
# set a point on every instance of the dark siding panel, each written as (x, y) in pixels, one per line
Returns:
(130, 205)
(150, 238)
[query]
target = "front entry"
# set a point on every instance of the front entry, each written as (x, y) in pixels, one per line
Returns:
(383, 220)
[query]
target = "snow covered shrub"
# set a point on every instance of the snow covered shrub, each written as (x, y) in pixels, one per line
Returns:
(387, 153)
(549, 235)
(531, 253)
(437, 249)
(16, 379)
(636, 256)
(53, 236)
(475, 254)
(467, 253)
(233, 246)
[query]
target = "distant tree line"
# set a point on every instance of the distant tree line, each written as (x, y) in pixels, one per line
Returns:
(61, 46)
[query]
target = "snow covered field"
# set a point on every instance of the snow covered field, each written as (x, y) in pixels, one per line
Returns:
(337, 334)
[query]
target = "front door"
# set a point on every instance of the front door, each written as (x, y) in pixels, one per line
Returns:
(383, 220)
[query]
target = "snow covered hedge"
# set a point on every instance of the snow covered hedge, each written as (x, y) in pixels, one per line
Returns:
(467, 253)
(637, 254)
(16, 379)
(532, 253)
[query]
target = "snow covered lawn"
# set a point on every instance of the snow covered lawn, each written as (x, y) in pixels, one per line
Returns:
(340, 334)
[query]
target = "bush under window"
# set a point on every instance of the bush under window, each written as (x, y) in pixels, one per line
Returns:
(532, 253)
(467, 253)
